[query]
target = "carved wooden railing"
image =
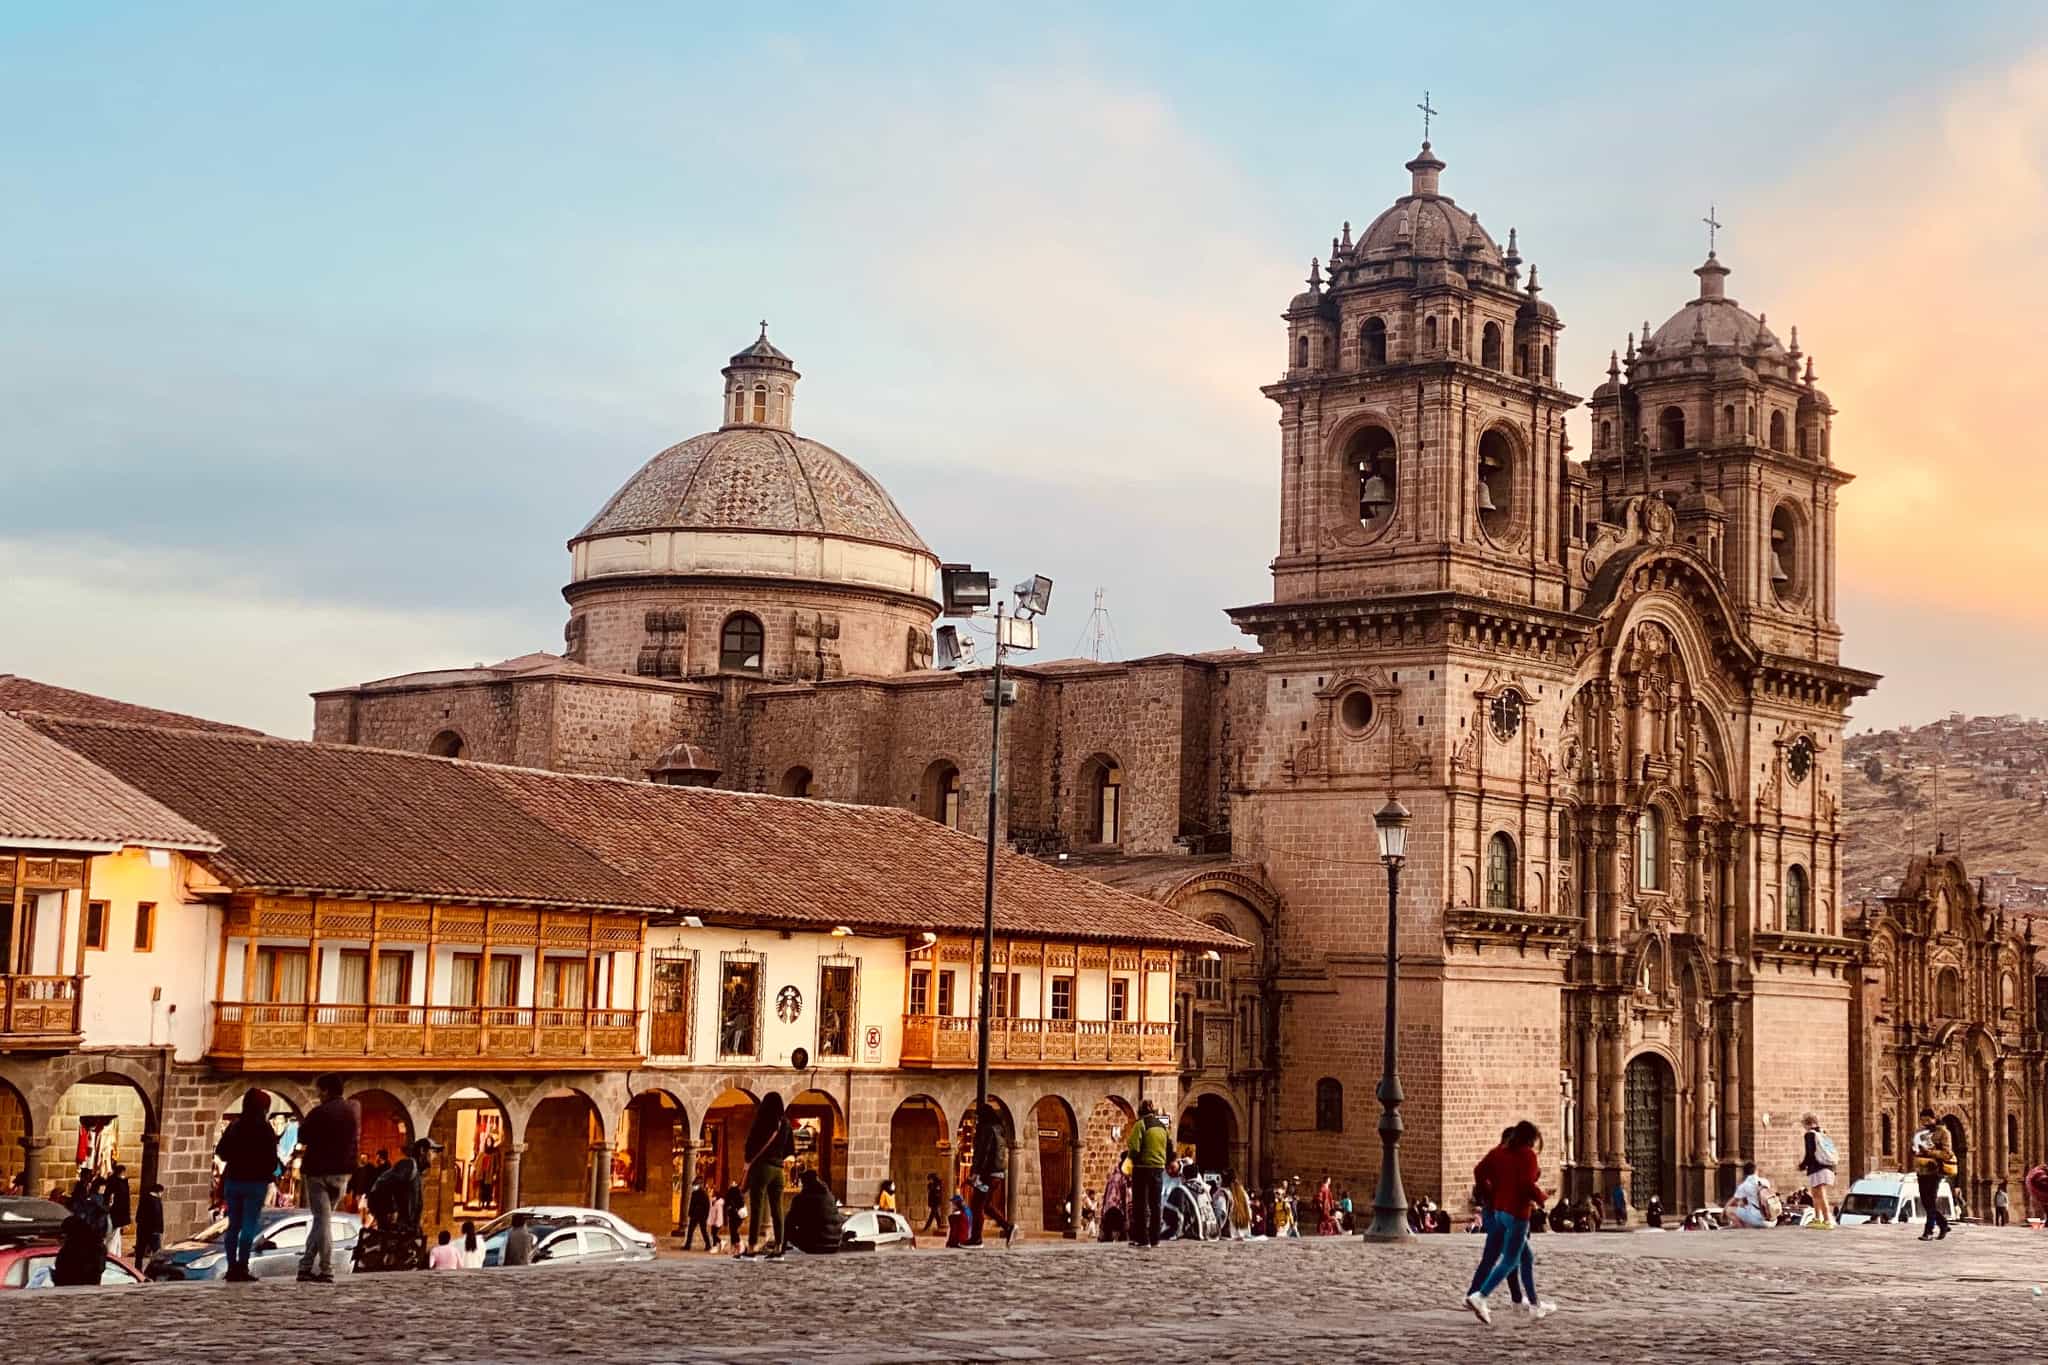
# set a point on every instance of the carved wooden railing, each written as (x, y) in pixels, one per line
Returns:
(253, 1031)
(952, 1040)
(40, 1006)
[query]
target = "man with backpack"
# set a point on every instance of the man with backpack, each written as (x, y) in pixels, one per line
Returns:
(1934, 1158)
(1819, 1164)
(1148, 1144)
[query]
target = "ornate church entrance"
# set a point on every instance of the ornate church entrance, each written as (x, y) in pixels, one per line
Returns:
(1650, 1092)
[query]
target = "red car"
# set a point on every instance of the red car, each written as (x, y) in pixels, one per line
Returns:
(28, 1246)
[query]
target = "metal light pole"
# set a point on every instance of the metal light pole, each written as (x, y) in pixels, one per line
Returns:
(988, 892)
(1390, 1201)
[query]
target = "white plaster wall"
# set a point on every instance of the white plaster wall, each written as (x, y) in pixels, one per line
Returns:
(142, 999)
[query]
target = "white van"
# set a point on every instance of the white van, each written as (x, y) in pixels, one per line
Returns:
(1891, 1197)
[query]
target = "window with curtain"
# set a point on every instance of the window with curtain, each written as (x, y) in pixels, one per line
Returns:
(280, 975)
(352, 977)
(562, 981)
(465, 972)
(394, 978)
(501, 987)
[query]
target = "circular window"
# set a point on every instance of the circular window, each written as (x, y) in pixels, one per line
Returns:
(1799, 762)
(1507, 715)
(1496, 491)
(1355, 711)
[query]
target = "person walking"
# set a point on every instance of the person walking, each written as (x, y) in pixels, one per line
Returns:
(699, 1218)
(149, 1224)
(518, 1243)
(1818, 1161)
(248, 1154)
(769, 1141)
(991, 1177)
(735, 1214)
(1933, 1158)
(934, 1203)
(1326, 1209)
(2001, 1206)
(330, 1133)
(120, 1209)
(1509, 1174)
(1147, 1145)
(1496, 1231)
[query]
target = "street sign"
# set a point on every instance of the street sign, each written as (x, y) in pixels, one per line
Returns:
(871, 1042)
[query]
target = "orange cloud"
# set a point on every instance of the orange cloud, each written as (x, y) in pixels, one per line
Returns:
(1924, 271)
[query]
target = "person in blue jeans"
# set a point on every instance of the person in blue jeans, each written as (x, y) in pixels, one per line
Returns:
(1496, 1235)
(248, 1155)
(1507, 1176)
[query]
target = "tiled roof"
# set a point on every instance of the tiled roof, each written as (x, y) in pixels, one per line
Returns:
(26, 694)
(353, 821)
(52, 797)
(350, 821)
(787, 860)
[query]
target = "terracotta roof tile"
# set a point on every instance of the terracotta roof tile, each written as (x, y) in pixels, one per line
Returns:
(26, 694)
(50, 796)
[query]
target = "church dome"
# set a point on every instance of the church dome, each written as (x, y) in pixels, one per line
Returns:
(1716, 317)
(755, 478)
(1427, 224)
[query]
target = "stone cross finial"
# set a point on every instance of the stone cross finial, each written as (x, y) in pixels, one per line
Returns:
(1713, 226)
(1427, 114)
(764, 329)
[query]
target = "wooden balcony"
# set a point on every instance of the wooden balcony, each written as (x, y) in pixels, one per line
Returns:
(249, 1036)
(933, 1040)
(37, 1011)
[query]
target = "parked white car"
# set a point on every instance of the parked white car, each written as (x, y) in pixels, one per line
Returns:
(568, 1215)
(879, 1228)
(1890, 1197)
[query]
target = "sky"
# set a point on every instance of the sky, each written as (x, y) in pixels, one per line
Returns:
(322, 328)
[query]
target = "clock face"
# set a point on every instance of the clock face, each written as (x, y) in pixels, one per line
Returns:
(1800, 761)
(1507, 715)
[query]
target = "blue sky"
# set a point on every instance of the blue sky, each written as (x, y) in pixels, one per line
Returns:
(327, 326)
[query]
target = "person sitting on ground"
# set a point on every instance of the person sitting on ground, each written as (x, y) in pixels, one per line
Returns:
(959, 1224)
(444, 1256)
(815, 1226)
(1749, 1206)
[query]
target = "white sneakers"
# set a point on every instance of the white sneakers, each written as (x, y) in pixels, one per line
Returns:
(1537, 1311)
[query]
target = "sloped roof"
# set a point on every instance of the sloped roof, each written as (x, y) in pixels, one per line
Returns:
(344, 820)
(54, 798)
(26, 694)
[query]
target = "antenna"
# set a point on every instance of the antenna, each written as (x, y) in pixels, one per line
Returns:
(1098, 632)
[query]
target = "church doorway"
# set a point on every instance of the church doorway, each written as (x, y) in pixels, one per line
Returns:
(1960, 1181)
(1207, 1132)
(1650, 1092)
(1054, 1123)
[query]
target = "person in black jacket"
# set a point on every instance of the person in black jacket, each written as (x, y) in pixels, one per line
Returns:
(330, 1134)
(768, 1142)
(149, 1224)
(934, 1203)
(248, 1151)
(699, 1217)
(991, 1177)
(82, 1255)
(816, 1226)
(120, 1209)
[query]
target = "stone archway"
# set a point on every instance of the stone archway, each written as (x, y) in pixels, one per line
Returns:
(17, 1129)
(565, 1139)
(387, 1127)
(1208, 1130)
(1102, 1141)
(821, 1138)
(721, 1153)
(920, 1151)
(1054, 1132)
(649, 1181)
(100, 1121)
(471, 1177)
(1650, 1092)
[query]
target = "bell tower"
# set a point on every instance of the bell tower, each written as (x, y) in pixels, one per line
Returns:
(1422, 427)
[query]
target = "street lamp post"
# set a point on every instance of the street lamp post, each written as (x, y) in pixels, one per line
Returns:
(988, 881)
(1390, 1201)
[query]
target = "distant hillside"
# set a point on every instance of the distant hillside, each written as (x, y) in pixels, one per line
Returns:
(1981, 782)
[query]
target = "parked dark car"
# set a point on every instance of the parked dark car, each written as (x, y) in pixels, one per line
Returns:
(204, 1256)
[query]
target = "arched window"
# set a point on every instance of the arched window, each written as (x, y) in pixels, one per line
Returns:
(796, 782)
(1301, 352)
(1884, 1136)
(1329, 1105)
(1500, 872)
(1548, 373)
(1457, 336)
(1752, 420)
(739, 645)
(1106, 790)
(1606, 435)
(1948, 994)
(1567, 841)
(2012, 1133)
(1650, 850)
(1802, 440)
(1496, 491)
(1489, 346)
(1797, 918)
(1522, 359)
(939, 799)
(1671, 429)
(1369, 456)
(1429, 332)
(1372, 342)
(1727, 419)
(1578, 522)
(1777, 430)
(739, 405)
(447, 744)
(760, 402)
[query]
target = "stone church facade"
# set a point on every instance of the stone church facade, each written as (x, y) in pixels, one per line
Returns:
(1610, 691)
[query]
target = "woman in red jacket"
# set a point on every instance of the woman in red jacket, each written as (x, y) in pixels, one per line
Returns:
(1508, 1175)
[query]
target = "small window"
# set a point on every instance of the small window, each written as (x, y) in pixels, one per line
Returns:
(1490, 346)
(1777, 430)
(2012, 1133)
(1567, 843)
(1354, 712)
(1671, 429)
(1372, 342)
(145, 926)
(1457, 336)
(946, 993)
(760, 402)
(96, 914)
(1884, 1133)
(796, 782)
(1500, 872)
(1301, 352)
(1797, 920)
(1119, 998)
(1063, 997)
(1948, 994)
(739, 646)
(447, 744)
(1728, 419)
(920, 990)
(1207, 974)
(1005, 989)
(1429, 332)
(1650, 850)
(1606, 435)
(1329, 1105)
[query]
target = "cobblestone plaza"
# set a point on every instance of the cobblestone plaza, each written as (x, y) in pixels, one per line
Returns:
(1874, 1295)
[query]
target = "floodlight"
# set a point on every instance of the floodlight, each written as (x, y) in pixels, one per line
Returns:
(963, 590)
(949, 654)
(1034, 595)
(1017, 632)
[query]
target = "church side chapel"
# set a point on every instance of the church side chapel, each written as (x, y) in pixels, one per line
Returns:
(1609, 688)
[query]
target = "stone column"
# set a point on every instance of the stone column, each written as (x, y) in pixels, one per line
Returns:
(1617, 1108)
(1074, 1182)
(601, 1176)
(689, 1179)
(35, 1165)
(508, 1173)
(1702, 1102)
(1592, 1101)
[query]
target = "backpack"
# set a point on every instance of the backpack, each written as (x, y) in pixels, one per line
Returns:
(1824, 1149)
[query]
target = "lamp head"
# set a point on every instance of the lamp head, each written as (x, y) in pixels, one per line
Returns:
(1392, 824)
(963, 590)
(1034, 595)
